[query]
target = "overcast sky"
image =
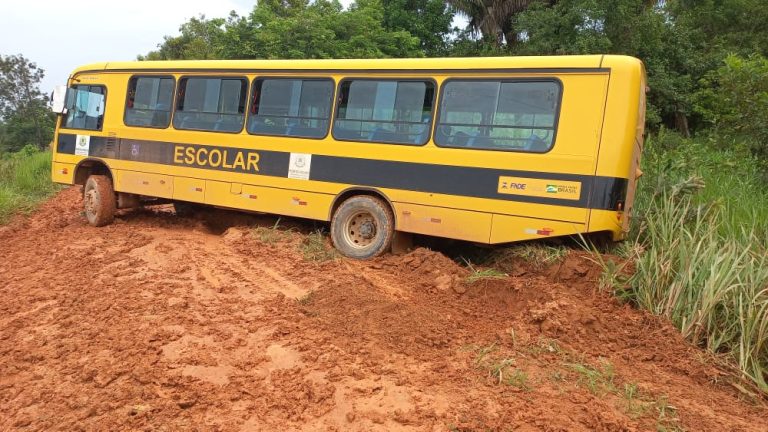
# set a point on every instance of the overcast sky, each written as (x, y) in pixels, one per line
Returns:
(61, 35)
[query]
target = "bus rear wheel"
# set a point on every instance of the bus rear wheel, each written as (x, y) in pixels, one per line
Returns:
(362, 227)
(99, 200)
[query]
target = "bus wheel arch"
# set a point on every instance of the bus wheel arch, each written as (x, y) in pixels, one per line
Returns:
(88, 167)
(353, 191)
(362, 223)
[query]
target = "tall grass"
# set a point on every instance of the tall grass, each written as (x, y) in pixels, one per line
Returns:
(25, 180)
(699, 249)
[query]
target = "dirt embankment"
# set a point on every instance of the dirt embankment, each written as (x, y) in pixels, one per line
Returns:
(163, 323)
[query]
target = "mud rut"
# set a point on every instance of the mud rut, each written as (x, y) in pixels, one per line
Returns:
(163, 323)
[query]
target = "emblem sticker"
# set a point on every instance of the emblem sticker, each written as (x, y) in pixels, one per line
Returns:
(83, 145)
(299, 166)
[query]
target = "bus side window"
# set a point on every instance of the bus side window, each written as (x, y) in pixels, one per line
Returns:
(85, 107)
(149, 101)
(291, 107)
(211, 104)
(499, 114)
(385, 111)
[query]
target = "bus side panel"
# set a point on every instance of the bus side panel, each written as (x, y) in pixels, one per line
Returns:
(443, 222)
(143, 183)
(574, 152)
(513, 228)
(223, 194)
(189, 189)
(62, 172)
(607, 220)
(295, 203)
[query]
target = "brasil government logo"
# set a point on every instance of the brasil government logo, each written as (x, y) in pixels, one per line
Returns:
(542, 188)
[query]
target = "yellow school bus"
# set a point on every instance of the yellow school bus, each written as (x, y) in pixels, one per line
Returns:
(487, 150)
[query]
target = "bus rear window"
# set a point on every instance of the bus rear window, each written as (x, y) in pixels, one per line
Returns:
(211, 104)
(149, 102)
(498, 115)
(85, 107)
(386, 111)
(291, 107)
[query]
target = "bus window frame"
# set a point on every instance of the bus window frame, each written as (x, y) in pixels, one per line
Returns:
(103, 115)
(173, 100)
(176, 101)
(332, 107)
(555, 124)
(433, 112)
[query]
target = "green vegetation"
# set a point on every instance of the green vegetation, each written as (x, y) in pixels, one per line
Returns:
(598, 379)
(317, 29)
(601, 380)
(482, 274)
(315, 247)
(272, 234)
(539, 255)
(501, 370)
(25, 180)
(699, 250)
(506, 365)
(734, 101)
(485, 274)
(24, 114)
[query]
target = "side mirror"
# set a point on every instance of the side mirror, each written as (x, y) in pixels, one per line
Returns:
(58, 100)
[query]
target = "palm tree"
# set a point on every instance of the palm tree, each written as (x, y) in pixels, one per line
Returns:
(493, 18)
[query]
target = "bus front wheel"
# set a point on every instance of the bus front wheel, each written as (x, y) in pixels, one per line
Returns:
(362, 227)
(99, 200)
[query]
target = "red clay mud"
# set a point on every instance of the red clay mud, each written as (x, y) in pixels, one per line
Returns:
(163, 323)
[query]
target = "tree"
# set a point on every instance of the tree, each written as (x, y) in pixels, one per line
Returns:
(641, 28)
(365, 36)
(23, 108)
(722, 27)
(733, 99)
(428, 20)
(494, 19)
(292, 29)
(200, 39)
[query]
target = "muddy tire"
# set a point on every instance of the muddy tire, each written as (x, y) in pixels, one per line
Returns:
(362, 227)
(99, 201)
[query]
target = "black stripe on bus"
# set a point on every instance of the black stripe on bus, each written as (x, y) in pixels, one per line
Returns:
(597, 192)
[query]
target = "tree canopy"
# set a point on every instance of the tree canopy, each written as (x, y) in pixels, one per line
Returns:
(24, 114)
(303, 29)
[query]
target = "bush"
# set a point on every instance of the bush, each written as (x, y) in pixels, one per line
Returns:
(699, 249)
(25, 180)
(734, 99)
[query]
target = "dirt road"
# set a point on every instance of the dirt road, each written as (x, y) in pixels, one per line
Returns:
(163, 323)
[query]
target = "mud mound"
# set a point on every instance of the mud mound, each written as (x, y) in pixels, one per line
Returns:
(164, 323)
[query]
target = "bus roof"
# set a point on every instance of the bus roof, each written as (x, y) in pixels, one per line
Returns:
(415, 64)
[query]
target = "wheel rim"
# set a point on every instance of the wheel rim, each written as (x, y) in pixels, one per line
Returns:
(360, 230)
(91, 202)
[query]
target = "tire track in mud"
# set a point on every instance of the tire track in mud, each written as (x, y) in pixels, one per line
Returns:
(161, 323)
